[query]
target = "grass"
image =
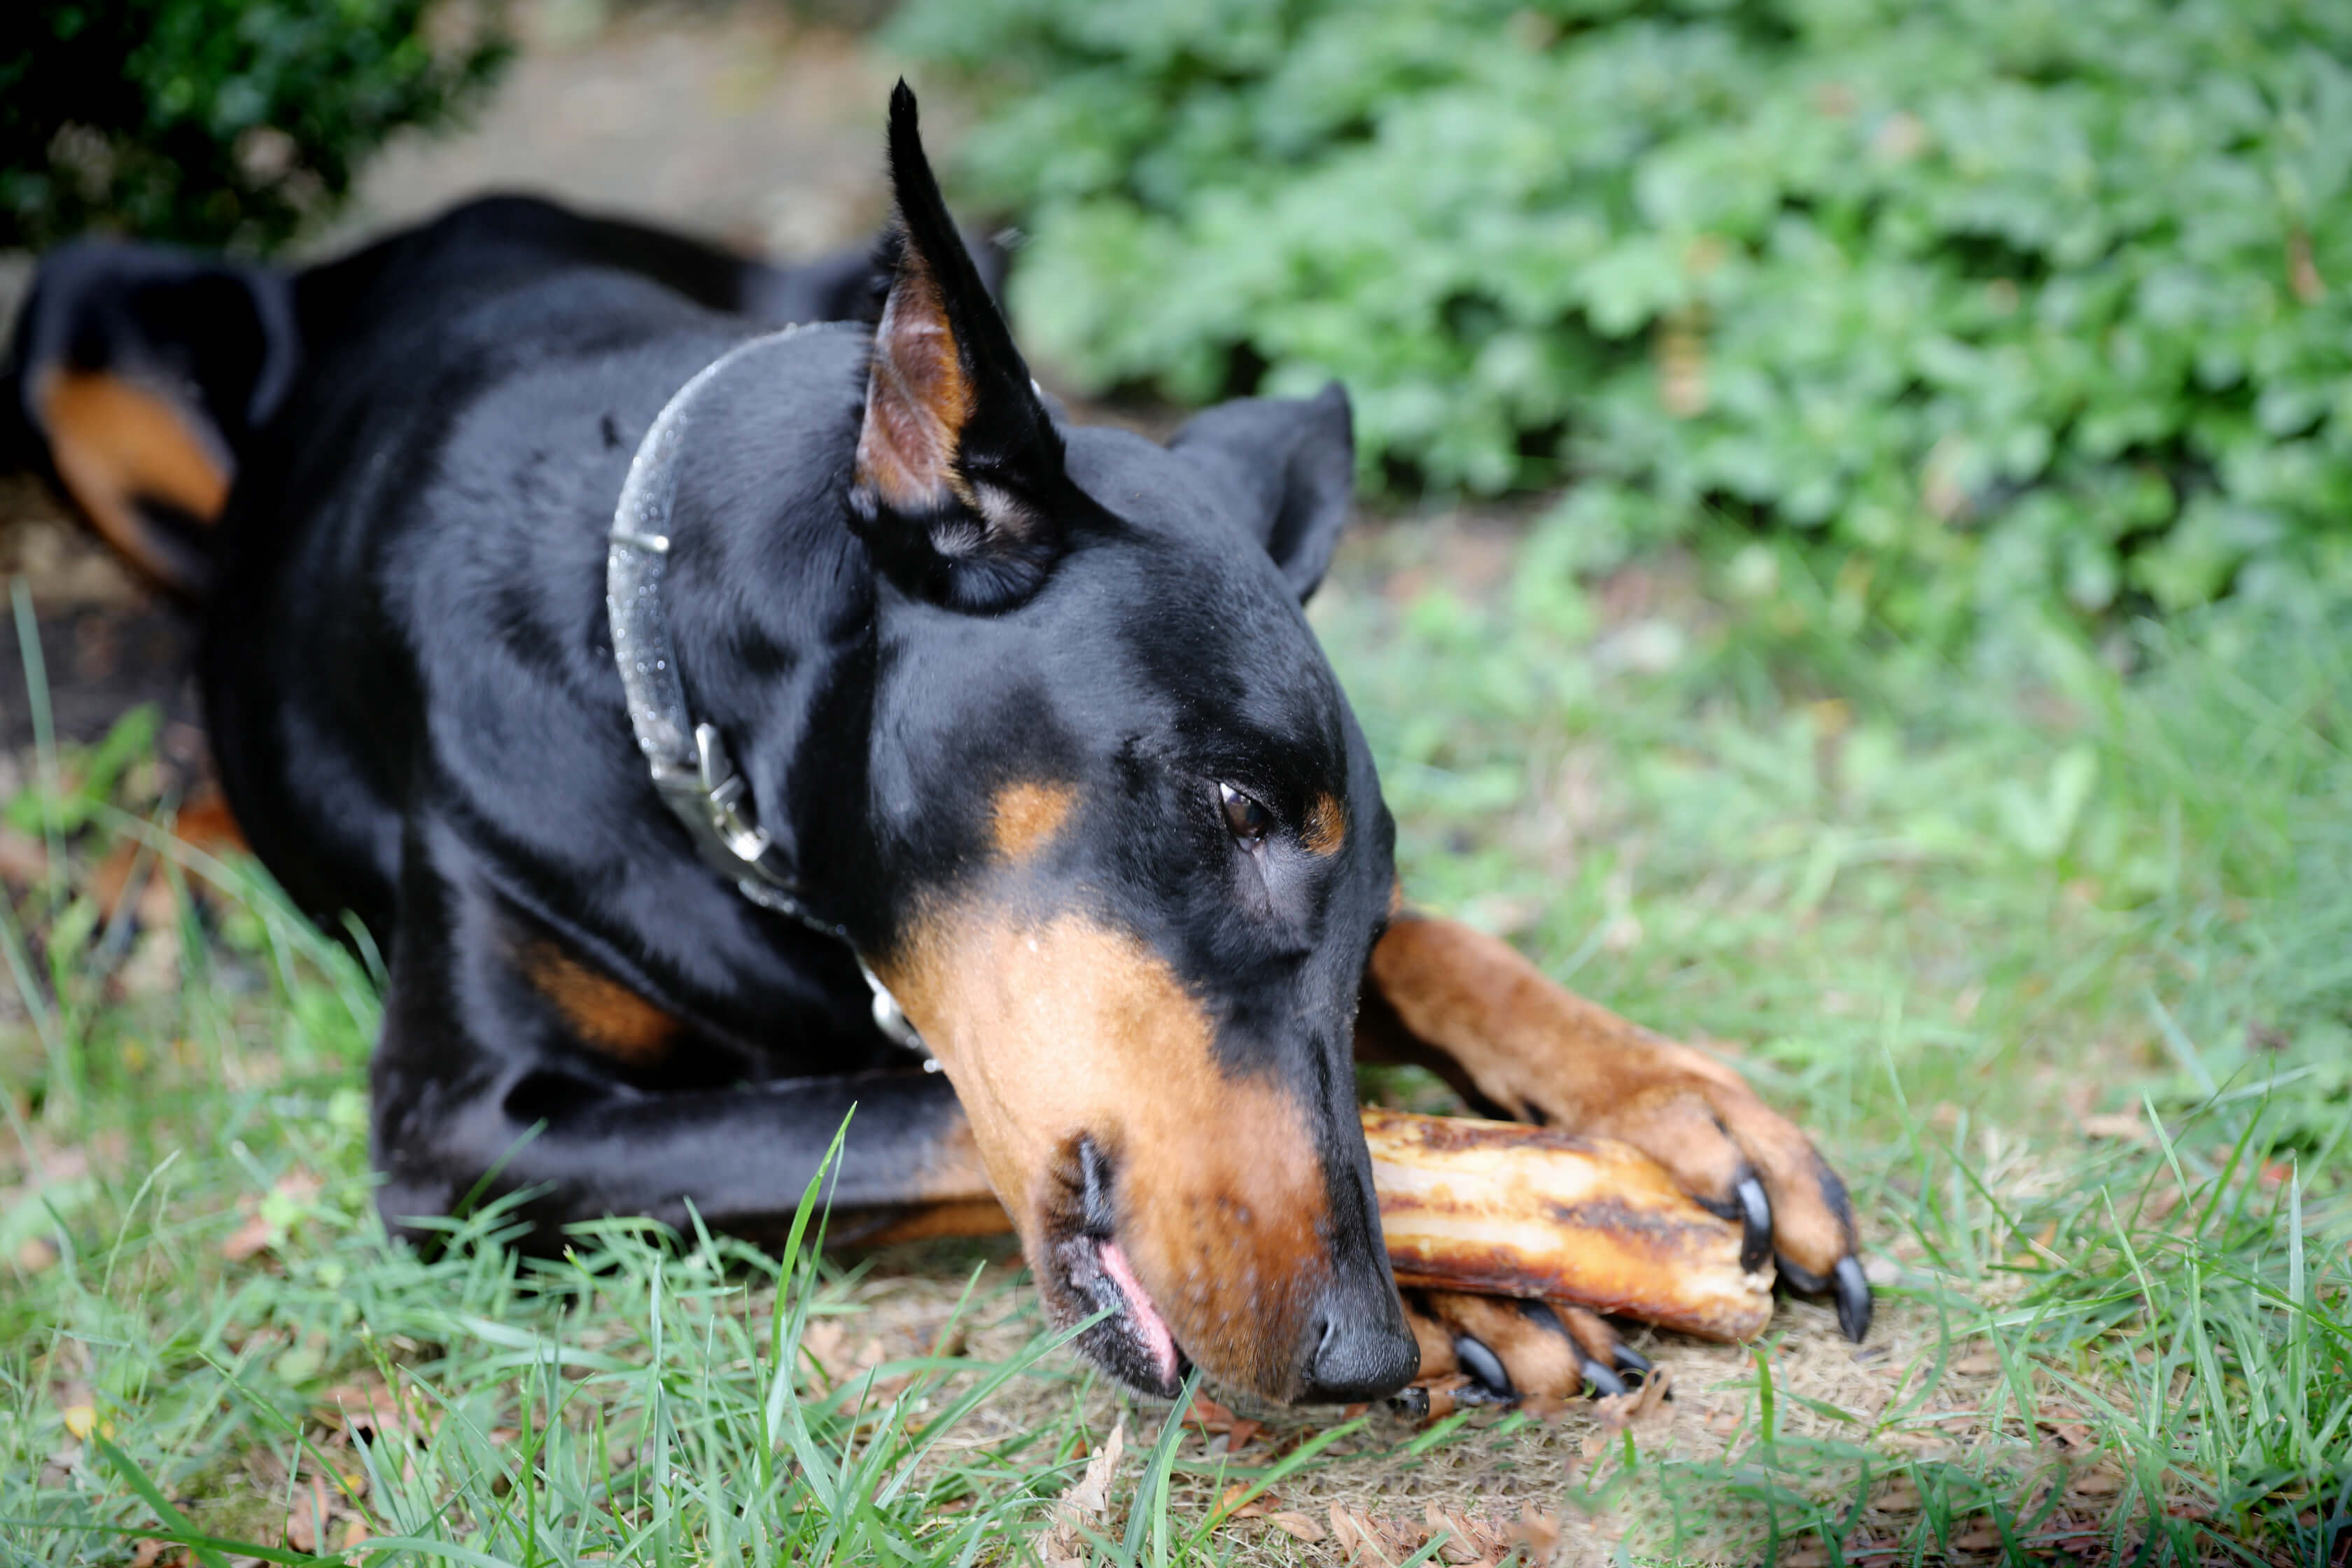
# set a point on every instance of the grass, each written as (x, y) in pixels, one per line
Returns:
(2057, 960)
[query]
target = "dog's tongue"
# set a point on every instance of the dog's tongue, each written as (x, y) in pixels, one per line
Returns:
(1154, 1328)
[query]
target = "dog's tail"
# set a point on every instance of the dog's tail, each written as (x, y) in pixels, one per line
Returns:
(135, 377)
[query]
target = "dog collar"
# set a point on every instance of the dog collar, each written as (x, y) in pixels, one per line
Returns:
(692, 769)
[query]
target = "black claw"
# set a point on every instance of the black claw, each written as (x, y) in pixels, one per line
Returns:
(1632, 1360)
(1484, 1366)
(1852, 1291)
(1802, 1281)
(1755, 1225)
(1602, 1380)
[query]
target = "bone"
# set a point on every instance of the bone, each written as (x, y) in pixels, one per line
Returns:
(1505, 1209)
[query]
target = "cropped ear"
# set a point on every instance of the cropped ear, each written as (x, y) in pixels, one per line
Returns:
(1290, 465)
(138, 373)
(959, 489)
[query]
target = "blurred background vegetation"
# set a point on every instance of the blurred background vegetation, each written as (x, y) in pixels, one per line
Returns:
(2018, 304)
(2024, 311)
(217, 122)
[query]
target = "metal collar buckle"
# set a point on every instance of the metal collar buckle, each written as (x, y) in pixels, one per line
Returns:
(701, 787)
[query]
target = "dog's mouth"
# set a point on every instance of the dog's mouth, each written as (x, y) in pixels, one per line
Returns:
(1087, 1272)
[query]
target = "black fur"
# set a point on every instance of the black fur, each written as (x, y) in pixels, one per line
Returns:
(410, 688)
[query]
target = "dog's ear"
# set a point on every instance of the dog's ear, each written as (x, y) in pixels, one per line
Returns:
(136, 375)
(959, 489)
(1291, 466)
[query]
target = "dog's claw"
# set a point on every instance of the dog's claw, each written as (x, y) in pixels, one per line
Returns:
(1851, 1289)
(1630, 1360)
(1484, 1366)
(1603, 1380)
(1755, 1223)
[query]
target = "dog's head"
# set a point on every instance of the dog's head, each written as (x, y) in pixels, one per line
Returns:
(1135, 938)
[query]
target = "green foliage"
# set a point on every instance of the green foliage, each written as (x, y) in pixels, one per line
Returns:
(211, 121)
(2011, 300)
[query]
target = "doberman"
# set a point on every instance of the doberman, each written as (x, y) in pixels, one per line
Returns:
(686, 704)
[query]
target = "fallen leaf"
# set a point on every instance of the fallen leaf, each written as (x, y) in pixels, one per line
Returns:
(81, 1420)
(1237, 1503)
(36, 1253)
(371, 1412)
(1810, 1553)
(1981, 1538)
(1537, 1533)
(150, 1552)
(1469, 1543)
(2127, 1125)
(2099, 1481)
(1298, 1526)
(1360, 1538)
(1086, 1500)
(1980, 1361)
(1645, 1406)
(1242, 1434)
(823, 1341)
(1901, 1496)
(306, 1522)
(1208, 1415)
(23, 860)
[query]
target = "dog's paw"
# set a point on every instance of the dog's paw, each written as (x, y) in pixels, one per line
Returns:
(1745, 1161)
(1492, 1350)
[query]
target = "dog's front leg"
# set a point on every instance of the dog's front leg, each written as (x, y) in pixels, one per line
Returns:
(739, 1158)
(1441, 994)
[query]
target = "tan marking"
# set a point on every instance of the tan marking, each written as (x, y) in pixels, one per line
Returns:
(606, 1016)
(1025, 816)
(1055, 1027)
(976, 1217)
(918, 398)
(116, 443)
(1326, 828)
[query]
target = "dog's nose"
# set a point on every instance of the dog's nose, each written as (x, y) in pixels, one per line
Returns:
(1364, 1350)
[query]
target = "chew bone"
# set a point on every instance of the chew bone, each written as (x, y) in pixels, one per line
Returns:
(1501, 1208)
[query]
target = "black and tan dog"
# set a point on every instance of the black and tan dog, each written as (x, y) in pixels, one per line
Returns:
(1013, 721)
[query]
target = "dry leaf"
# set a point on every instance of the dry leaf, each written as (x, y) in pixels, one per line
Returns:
(373, 1412)
(1469, 1543)
(36, 1253)
(1810, 1553)
(306, 1522)
(1239, 1504)
(1537, 1533)
(1645, 1406)
(1296, 1525)
(2128, 1125)
(823, 1341)
(2097, 1482)
(1901, 1496)
(150, 1552)
(1981, 1538)
(1086, 1500)
(1980, 1361)
(1361, 1539)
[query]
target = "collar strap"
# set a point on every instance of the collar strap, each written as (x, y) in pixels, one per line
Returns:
(692, 769)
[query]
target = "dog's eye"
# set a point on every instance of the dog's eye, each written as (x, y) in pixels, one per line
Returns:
(1248, 821)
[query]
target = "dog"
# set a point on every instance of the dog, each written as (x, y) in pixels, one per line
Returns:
(719, 723)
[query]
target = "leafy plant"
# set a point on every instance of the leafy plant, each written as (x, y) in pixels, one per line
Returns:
(215, 121)
(2010, 302)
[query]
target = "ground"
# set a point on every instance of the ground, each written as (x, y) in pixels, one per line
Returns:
(2048, 948)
